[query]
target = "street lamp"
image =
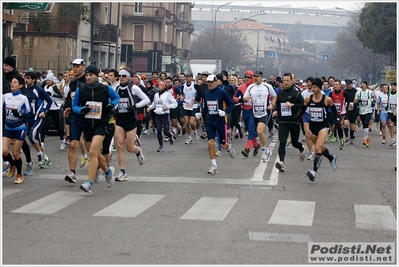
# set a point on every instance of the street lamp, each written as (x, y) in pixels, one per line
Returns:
(231, 32)
(333, 22)
(214, 29)
(343, 9)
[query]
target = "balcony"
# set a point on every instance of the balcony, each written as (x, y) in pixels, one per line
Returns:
(167, 49)
(147, 12)
(105, 33)
(49, 25)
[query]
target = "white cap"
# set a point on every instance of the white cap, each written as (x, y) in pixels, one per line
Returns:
(79, 61)
(211, 78)
(343, 83)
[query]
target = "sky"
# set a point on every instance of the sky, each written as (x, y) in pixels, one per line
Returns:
(349, 5)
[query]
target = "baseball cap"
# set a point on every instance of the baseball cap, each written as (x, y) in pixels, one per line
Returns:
(189, 75)
(347, 81)
(79, 61)
(258, 73)
(219, 77)
(211, 78)
(205, 73)
(92, 69)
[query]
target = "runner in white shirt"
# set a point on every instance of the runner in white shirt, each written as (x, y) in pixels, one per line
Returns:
(364, 97)
(382, 110)
(259, 93)
(189, 106)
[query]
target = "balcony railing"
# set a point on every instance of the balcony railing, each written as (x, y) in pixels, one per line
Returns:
(105, 33)
(130, 10)
(169, 49)
(48, 25)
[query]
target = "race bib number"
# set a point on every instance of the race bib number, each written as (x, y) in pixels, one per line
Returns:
(337, 105)
(350, 106)
(9, 109)
(285, 111)
(123, 105)
(195, 106)
(188, 106)
(159, 104)
(95, 110)
(212, 107)
(316, 114)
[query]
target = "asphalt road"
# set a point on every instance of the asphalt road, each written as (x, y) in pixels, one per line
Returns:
(172, 212)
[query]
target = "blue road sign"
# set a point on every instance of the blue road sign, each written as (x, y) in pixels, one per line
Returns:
(325, 57)
(272, 55)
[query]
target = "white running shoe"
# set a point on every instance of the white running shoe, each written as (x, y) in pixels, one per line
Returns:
(311, 156)
(140, 157)
(266, 154)
(232, 153)
(188, 141)
(213, 170)
(122, 176)
(62, 145)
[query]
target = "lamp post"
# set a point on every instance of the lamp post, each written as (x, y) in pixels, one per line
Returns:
(231, 32)
(214, 29)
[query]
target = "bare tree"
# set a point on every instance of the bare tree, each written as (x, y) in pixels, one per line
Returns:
(230, 46)
(352, 58)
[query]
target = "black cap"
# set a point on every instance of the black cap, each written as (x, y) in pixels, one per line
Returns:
(258, 73)
(189, 75)
(225, 73)
(10, 61)
(92, 69)
(318, 82)
(219, 77)
(347, 81)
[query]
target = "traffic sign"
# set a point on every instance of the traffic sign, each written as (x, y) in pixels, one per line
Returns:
(370, 75)
(272, 55)
(28, 6)
(391, 76)
(325, 57)
(233, 67)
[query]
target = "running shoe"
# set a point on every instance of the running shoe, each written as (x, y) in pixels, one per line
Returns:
(122, 176)
(302, 155)
(266, 155)
(11, 171)
(384, 141)
(368, 142)
(196, 136)
(145, 132)
(62, 145)
(108, 177)
(84, 161)
(218, 153)
(166, 139)
(342, 143)
(213, 170)
(203, 136)
(140, 157)
(68, 142)
(380, 133)
(70, 177)
(393, 142)
(271, 133)
(113, 148)
(29, 169)
(351, 142)
(280, 166)
(365, 141)
(334, 163)
(47, 162)
(160, 149)
(312, 175)
(245, 152)
(256, 150)
(98, 176)
(137, 141)
(311, 156)
(19, 179)
(86, 187)
(188, 141)
(172, 141)
(6, 166)
(232, 153)
(332, 139)
(288, 143)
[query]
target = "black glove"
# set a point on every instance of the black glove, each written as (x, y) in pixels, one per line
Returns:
(112, 112)
(85, 110)
(240, 100)
(109, 107)
(132, 109)
(49, 93)
(16, 113)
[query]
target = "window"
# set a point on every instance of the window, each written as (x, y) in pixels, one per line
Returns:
(138, 7)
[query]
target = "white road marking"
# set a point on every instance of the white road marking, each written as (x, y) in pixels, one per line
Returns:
(290, 212)
(130, 206)
(210, 209)
(374, 217)
(51, 203)
(8, 191)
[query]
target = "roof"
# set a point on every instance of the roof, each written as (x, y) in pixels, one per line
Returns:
(248, 24)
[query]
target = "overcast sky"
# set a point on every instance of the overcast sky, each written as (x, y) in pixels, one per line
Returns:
(350, 5)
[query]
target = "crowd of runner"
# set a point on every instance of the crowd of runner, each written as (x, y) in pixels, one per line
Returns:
(102, 112)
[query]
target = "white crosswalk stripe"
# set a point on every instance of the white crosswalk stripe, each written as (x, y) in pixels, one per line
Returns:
(130, 206)
(374, 217)
(51, 203)
(210, 209)
(290, 212)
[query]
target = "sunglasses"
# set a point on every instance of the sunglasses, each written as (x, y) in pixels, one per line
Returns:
(248, 77)
(123, 76)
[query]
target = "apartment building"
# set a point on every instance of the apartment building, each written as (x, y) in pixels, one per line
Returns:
(141, 35)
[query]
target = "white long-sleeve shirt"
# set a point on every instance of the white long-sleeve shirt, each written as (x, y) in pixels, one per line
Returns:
(161, 100)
